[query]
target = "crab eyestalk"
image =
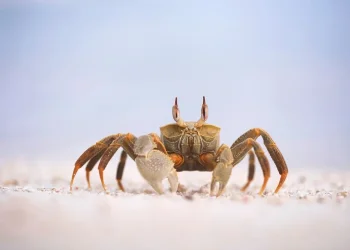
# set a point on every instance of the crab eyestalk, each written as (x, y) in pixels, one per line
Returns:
(204, 114)
(176, 115)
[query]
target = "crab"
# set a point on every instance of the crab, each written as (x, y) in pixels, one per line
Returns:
(184, 146)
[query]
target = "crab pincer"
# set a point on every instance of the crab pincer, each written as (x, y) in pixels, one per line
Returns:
(154, 165)
(222, 171)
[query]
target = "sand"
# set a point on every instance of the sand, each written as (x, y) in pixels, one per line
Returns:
(37, 211)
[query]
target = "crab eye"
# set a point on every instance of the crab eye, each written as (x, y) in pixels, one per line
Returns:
(204, 111)
(176, 113)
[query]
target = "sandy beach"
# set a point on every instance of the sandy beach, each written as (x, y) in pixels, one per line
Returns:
(37, 211)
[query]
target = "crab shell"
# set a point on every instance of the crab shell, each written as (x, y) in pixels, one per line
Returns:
(191, 142)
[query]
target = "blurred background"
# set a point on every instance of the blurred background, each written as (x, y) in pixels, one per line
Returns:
(73, 72)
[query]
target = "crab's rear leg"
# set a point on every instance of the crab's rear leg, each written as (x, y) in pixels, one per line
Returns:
(91, 154)
(120, 170)
(240, 150)
(223, 169)
(107, 156)
(251, 170)
(127, 143)
(91, 164)
(272, 148)
(103, 151)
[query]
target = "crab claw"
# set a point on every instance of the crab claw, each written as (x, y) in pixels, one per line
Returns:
(222, 171)
(222, 175)
(154, 165)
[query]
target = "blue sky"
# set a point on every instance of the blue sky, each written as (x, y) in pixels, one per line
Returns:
(72, 72)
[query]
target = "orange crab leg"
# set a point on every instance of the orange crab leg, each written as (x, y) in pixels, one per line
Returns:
(91, 165)
(251, 170)
(272, 148)
(241, 149)
(127, 142)
(120, 170)
(90, 153)
(103, 151)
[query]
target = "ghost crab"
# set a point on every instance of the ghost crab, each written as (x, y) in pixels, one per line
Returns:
(184, 146)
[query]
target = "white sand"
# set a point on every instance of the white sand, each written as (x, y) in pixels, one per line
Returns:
(312, 211)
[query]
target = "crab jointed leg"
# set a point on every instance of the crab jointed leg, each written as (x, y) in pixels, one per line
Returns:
(246, 141)
(127, 143)
(103, 151)
(153, 164)
(240, 150)
(251, 170)
(120, 169)
(91, 154)
(91, 164)
(223, 169)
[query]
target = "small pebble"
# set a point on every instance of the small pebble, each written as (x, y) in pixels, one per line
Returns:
(12, 182)
(302, 179)
(321, 199)
(343, 194)
(189, 197)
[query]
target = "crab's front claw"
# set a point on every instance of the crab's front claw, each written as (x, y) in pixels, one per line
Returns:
(154, 165)
(221, 174)
(222, 171)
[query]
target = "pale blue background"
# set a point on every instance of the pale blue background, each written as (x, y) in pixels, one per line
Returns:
(73, 73)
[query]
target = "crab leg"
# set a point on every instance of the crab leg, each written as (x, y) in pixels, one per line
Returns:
(91, 164)
(120, 170)
(124, 141)
(241, 149)
(271, 146)
(251, 170)
(223, 169)
(103, 151)
(121, 165)
(128, 149)
(90, 153)
(107, 156)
